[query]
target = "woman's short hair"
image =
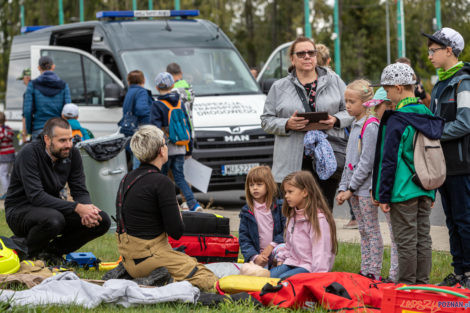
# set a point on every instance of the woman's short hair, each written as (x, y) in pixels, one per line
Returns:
(147, 142)
(292, 48)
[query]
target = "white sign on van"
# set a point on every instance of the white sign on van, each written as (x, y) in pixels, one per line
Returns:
(224, 108)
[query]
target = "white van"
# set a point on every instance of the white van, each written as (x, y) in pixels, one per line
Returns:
(95, 56)
(275, 67)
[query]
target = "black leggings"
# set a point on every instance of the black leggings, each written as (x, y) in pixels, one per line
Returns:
(42, 226)
(328, 186)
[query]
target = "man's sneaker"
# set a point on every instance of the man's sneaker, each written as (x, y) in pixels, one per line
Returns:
(184, 206)
(465, 281)
(451, 280)
(197, 208)
(352, 224)
(50, 259)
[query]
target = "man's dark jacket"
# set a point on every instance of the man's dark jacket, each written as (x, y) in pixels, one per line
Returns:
(454, 107)
(37, 181)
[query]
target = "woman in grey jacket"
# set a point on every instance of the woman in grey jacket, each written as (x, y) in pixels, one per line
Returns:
(324, 92)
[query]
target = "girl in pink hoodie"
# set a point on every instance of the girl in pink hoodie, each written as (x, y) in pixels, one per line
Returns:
(310, 232)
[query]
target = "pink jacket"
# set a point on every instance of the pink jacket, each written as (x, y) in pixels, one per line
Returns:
(302, 247)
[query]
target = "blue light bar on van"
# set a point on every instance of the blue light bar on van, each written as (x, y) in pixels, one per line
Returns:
(29, 29)
(147, 13)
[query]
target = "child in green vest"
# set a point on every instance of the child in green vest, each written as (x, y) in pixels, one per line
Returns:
(392, 185)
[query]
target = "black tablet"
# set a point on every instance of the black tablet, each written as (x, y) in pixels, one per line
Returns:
(313, 117)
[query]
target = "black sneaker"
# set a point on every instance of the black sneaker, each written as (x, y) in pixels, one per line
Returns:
(50, 259)
(119, 272)
(158, 277)
(465, 282)
(451, 280)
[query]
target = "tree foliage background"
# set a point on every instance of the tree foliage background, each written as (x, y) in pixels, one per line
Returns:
(258, 26)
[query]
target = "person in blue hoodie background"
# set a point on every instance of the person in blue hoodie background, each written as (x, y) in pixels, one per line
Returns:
(70, 113)
(44, 98)
(176, 153)
(139, 100)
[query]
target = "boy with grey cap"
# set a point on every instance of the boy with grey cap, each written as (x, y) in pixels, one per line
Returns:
(392, 184)
(160, 116)
(70, 113)
(450, 99)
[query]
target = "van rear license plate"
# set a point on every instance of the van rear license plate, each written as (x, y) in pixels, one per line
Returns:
(237, 169)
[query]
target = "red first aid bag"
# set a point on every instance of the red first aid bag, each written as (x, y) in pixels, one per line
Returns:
(208, 249)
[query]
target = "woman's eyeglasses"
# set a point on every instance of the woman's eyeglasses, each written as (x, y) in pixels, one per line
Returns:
(431, 51)
(302, 54)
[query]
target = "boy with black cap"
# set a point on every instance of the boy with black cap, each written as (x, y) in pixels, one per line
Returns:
(450, 99)
(393, 187)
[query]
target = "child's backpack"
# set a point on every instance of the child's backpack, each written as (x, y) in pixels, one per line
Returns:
(179, 132)
(77, 132)
(77, 136)
(367, 122)
(429, 162)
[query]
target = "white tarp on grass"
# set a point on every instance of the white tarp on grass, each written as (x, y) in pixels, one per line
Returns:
(67, 289)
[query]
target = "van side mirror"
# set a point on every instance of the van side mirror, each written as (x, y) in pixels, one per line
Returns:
(112, 95)
(266, 84)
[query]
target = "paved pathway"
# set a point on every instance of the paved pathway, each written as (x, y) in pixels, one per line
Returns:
(439, 234)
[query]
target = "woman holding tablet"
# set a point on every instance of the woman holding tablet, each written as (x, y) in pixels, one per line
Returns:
(307, 88)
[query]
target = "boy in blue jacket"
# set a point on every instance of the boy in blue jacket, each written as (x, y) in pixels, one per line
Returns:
(138, 101)
(44, 98)
(176, 153)
(392, 185)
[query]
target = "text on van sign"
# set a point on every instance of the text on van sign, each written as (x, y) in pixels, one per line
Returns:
(223, 108)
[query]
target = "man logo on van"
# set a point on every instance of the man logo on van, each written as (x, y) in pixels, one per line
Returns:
(234, 138)
(235, 130)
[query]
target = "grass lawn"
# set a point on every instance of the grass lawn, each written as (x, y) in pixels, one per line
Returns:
(347, 260)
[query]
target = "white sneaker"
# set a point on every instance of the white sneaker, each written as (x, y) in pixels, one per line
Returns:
(184, 206)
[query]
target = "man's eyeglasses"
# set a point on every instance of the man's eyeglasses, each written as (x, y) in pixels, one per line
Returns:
(431, 51)
(302, 54)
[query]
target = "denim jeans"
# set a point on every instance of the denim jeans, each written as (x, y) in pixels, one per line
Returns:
(5, 175)
(455, 195)
(284, 271)
(175, 164)
(135, 162)
(35, 134)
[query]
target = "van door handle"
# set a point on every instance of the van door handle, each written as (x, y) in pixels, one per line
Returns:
(115, 172)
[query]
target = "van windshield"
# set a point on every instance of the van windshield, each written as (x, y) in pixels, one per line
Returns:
(209, 71)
